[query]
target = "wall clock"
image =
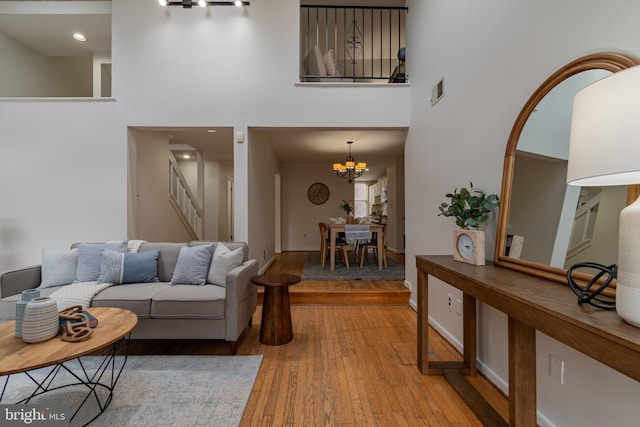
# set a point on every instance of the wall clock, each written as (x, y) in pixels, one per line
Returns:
(468, 246)
(318, 193)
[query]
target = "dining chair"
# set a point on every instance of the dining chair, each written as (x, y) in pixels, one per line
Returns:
(325, 245)
(373, 244)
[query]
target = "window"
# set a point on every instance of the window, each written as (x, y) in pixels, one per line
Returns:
(361, 199)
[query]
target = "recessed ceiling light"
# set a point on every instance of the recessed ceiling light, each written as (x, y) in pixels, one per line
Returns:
(80, 37)
(162, 2)
(186, 156)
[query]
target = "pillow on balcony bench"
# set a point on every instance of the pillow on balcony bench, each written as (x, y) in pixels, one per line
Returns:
(314, 63)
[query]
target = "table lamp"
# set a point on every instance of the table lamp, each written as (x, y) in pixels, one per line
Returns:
(604, 149)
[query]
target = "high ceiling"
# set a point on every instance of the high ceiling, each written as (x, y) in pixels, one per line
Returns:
(47, 27)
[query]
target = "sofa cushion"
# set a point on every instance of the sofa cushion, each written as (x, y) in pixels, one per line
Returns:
(189, 302)
(231, 245)
(58, 268)
(89, 256)
(119, 267)
(192, 266)
(224, 260)
(136, 297)
(167, 259)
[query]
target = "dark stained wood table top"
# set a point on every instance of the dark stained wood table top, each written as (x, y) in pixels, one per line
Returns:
(275, 279)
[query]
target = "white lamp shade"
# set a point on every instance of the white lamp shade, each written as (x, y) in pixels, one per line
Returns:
(604, 146)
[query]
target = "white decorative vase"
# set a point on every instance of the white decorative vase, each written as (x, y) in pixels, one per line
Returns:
(40, 320)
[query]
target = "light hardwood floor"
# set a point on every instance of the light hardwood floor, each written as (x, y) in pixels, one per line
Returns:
(348, 365)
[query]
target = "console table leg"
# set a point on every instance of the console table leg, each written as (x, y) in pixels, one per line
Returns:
(423, 322)
(522, 374)
(470, 333)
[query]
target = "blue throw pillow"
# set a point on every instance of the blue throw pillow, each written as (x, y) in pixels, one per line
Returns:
(192, 266)
(89, 258)
(118, 267)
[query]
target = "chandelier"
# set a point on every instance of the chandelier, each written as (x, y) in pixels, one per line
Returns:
(350, 169)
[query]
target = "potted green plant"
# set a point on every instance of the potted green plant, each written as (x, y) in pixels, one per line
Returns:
(348, 210)
(470, 208)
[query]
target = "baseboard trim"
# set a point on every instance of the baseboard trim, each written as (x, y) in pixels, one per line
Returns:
(267, 265)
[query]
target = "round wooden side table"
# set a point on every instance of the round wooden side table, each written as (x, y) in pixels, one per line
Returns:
(276, 328)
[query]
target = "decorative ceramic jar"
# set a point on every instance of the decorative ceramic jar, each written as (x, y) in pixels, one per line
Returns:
(21, 304)
(40, 320)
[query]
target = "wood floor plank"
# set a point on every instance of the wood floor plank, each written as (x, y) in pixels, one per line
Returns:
(347, 365)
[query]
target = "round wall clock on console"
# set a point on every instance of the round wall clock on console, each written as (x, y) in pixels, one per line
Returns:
(468, 246)
(318, 193)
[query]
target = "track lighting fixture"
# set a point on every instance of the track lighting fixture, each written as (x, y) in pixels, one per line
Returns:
(187, 4)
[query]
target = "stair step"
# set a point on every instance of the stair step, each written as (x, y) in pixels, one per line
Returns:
(345, 297)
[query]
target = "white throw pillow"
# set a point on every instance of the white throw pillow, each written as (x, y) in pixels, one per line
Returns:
(58, 268)
(224, 260)
(330, 63)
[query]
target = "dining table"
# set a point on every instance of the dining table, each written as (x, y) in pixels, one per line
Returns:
(335, 228)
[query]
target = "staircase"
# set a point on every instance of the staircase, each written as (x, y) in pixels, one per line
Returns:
(344, 292)
(184, 201)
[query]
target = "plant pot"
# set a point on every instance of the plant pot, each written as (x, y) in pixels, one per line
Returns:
(351, 220)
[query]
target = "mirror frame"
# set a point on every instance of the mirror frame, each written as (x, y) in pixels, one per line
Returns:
(610, 61)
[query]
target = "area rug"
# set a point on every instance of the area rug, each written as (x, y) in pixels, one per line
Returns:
(369, 271)
(156, 391)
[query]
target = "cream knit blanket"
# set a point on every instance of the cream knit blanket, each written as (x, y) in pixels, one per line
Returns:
(80, 293)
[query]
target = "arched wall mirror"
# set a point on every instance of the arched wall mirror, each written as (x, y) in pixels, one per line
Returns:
(544, 226)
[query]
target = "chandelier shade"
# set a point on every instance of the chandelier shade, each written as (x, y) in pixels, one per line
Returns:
(350, 170)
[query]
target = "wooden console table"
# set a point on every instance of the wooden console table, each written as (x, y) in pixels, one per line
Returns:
(531, 303)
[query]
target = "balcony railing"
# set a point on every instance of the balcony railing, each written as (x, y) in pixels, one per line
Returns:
(352, 43)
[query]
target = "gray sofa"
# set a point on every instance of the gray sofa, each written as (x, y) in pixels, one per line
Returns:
(164, 311)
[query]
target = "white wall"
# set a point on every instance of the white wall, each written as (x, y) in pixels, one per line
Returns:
(263, 165)
(27, 73)
(300, 217)
(171, 67)
(63, 174)
(493, 55)
(395, 205)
